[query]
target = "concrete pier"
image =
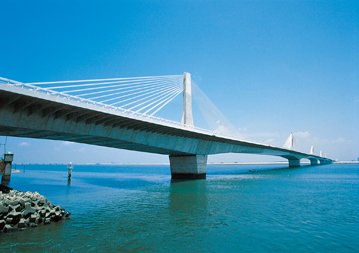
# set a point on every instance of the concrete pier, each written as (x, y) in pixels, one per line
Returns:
(294, 163)
(313, 161)
(323, 161)
(5, 168)
(188, 167)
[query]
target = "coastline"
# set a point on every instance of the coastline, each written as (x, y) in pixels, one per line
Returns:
(167, 164)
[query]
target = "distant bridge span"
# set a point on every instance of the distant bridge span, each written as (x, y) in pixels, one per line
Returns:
(27, 111)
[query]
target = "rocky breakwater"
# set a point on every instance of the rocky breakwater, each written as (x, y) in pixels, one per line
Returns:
(21, 210)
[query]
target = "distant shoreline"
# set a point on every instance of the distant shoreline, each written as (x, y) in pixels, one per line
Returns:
(167, 164)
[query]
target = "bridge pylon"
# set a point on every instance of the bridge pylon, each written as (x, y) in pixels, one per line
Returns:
(187, 117)
(312, 150)
(289, 143)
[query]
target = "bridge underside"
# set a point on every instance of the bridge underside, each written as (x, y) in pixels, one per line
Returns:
(46, 117)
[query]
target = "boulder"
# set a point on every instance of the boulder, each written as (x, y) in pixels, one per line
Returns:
(33, 217)
(16, 207)
(42, 213)
(33, 225)
(8, 221)
(57, 217)
(28, 210)
(2, 224)
(8, 228)
(3, 208)
(15, 216)
(22, 223)
(47, 221)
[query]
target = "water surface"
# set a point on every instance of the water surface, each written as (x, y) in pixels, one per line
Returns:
(239, 208)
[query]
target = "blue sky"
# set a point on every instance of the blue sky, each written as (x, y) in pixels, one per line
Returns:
(271, 67)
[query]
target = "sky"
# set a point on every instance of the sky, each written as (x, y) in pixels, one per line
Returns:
(270, 67)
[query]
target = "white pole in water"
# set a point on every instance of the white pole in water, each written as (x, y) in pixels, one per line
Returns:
(69, 171)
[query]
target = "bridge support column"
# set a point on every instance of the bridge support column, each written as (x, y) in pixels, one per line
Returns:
(5, 168)
(188, 166)
(322, 162)
(313, 161)
(294, 163)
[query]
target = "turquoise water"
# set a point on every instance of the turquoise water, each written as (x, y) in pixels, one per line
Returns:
(237, 209)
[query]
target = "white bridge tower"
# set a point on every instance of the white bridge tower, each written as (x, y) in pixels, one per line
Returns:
(187, 117)
(289, 143)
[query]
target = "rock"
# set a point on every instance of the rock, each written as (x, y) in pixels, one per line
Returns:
(3, 208)
(27, 222)
(15, 216)
(2, 224)
(8, 228)
(8, 221)
(33, 217)
(47, 221)
(57, 216)
(15, 220)
(43, 213)
(14, 207)
(33, 225)
(28, 210)
(11, 202)
(22, 202)
(22, 223)
(40, 203)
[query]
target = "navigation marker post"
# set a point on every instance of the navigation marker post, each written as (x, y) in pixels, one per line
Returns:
(69, 171)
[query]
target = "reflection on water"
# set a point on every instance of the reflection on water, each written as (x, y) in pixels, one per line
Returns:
(188, 203)
(188, 195)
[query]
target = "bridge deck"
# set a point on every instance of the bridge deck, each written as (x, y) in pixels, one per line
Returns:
(32, 114)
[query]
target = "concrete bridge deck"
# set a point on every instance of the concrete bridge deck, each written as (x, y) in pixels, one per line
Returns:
(26, 113)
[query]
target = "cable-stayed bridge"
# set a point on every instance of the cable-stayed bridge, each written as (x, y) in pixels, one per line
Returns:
(121, 113)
